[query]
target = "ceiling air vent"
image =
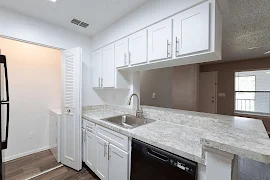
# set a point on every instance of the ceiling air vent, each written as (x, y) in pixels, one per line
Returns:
(80, 23)
(83, 24)
(75, 21)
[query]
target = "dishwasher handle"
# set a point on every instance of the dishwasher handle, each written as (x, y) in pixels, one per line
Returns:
(156, 155)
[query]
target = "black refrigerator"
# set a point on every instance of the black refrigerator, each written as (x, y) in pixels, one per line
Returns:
(4, 109)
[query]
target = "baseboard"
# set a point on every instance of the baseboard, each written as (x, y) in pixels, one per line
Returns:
(6, 159)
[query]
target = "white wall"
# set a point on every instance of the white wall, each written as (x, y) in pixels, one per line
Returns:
(17, 26)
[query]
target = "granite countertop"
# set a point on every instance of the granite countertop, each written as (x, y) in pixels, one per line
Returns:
(186, 133)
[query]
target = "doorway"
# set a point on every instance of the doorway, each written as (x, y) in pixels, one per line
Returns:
(208, 92)
(34, 74)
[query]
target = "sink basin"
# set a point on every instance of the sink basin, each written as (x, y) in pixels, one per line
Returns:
(128, 121)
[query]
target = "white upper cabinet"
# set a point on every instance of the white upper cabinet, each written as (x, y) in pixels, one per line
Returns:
(192, 30)
(108, 68)
(138, 47)
(97, 68)
(121, 53)
(118, 163)
(102, 168)
(90, 150)
(160, 40)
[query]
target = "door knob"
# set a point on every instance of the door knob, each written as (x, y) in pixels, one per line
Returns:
(68, 110)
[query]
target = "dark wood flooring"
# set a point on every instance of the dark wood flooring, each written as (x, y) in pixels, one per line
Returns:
(34, 164)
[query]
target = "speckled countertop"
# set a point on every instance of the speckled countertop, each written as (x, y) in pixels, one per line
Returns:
(186, 133)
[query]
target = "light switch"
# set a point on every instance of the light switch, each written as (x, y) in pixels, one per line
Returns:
(154, 95)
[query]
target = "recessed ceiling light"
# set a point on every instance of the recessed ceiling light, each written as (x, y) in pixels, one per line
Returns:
(268, 52)
(53, 0)
(267, 72)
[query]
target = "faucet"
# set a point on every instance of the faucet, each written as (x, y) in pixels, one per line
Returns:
(138, 111)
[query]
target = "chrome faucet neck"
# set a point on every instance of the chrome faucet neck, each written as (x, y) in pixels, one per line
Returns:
(138, 111)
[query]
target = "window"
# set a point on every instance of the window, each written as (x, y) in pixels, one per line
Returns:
(252, 91)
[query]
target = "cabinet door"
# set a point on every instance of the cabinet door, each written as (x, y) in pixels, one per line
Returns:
(102, 167)
(121, 53)
(108, 71)
(138, 47)
(159, 40)
(97, 68)
(90, 151)
(118, 163)
(191, 30)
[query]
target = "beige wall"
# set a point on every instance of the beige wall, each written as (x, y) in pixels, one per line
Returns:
(226, 71)
(175, 87)
(185, 87)
(35, 87)
(157, 81)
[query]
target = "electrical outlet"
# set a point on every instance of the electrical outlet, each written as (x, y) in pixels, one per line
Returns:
(154, 95)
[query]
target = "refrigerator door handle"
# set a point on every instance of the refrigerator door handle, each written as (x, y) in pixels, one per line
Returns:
(5, 102)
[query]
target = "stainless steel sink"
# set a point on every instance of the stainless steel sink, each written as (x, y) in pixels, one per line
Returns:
(128, 121)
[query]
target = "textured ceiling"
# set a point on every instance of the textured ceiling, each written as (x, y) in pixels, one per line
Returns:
(246, 25)
(98, 13)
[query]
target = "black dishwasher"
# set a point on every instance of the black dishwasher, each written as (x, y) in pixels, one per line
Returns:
(149, 162)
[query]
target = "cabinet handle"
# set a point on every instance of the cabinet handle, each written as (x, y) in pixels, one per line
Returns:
(105, 151)
(177, 46)
(129, 53)
(168, 53)
(101, 82)
(125, 58)
(109, 153)
(98, 82)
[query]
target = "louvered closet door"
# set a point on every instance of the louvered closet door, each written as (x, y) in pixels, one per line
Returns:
(71, 154)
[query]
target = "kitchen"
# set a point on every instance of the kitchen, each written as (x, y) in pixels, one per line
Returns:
(105, 77)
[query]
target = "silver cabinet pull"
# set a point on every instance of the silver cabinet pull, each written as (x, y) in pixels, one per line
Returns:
(98, 82)
(177, 46)
(168, 53)
(129, 53)
(105, 150)
(125, 58)
(109, 153)
(101, 82)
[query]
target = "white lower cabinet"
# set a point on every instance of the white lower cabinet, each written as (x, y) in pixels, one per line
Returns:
(90, 154)
(107, 158)
(118, 163)
(102, 168)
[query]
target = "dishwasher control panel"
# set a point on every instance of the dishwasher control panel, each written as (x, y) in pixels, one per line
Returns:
(182, 165)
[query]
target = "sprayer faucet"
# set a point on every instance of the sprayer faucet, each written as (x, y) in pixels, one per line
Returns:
(138, 111)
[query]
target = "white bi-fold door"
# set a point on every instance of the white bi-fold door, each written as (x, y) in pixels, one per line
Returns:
(71, 131)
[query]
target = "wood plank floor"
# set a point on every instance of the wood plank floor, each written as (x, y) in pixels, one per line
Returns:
(34, 164)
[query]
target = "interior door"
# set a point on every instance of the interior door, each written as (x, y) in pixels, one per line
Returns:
(121, 53)
(97, 68)
(159, 40)
(208, 92)
(71, 131)
(108, 71)
(91, 152)
(102, 168)
(138, 47)
(118, 163)
(191, 30)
